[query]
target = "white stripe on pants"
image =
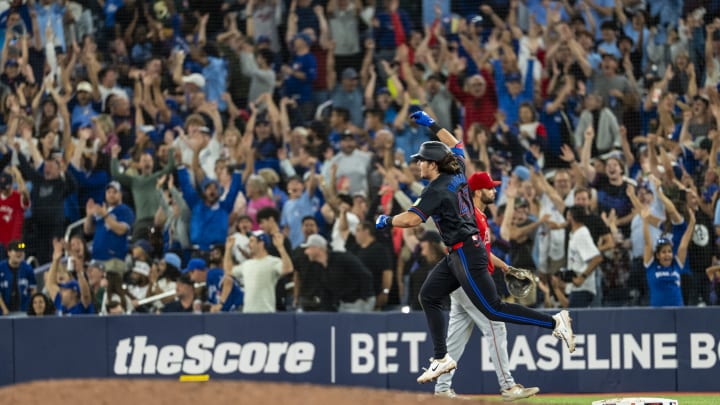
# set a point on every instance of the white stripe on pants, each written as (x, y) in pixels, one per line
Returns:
(463, 316)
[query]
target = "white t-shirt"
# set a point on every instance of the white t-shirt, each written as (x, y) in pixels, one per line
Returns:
(242, 243)
(165, 285)
(337, 243)
(582, 249)
(551, 243)
(259, 277)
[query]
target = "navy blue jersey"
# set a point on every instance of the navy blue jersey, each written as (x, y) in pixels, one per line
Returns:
(447, 200)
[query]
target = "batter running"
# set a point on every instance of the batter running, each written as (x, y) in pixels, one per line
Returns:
(447, 200)
(464, 315)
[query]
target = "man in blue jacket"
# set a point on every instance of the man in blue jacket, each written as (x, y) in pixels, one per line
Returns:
(17, 279)
(511, 92)
(209, 220)
(111, 223)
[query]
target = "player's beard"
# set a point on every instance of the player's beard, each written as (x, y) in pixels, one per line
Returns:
(487, 200)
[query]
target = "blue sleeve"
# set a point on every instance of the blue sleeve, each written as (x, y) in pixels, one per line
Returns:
(31, 276)
(376, 32)
(677, 233)
(214, 278)
(189, 193)
(310, 68)
(499, 77)
(529, 81)
(125, 214)
(235, 187)
(96, 179)
(406, 23)
(457, 150)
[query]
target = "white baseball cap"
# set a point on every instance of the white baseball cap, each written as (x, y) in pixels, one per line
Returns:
(316, 241)
(84, 86)
(141, 268)
(196, 79)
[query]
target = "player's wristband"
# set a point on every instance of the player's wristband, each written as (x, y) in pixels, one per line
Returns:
(435, 128)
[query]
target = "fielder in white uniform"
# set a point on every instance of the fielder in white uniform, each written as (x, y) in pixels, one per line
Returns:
(464, 315)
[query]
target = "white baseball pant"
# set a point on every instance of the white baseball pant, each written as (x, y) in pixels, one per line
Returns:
(463, 317)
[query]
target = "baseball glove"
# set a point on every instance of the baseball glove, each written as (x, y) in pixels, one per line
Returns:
(520, 282)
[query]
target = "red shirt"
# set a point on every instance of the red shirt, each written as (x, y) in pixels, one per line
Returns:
(12, 216)
(481, 109)
(482, 225)
(320, 55)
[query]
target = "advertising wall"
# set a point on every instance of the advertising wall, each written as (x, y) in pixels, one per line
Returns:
(618, 350)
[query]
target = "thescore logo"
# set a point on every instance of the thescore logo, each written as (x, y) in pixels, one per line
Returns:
(201, 355)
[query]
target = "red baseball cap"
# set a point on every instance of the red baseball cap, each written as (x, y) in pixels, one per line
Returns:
(482, 180)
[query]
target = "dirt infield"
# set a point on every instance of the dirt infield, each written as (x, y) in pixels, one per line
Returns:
(160, 392)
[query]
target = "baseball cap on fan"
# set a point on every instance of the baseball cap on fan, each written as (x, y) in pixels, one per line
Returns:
(6, 180)
(315, 240)
(114, 184)
(84, 86)
(196, 78)
(481, 181)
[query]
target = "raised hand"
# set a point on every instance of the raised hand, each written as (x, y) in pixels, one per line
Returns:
(383, 221)
(58, 248)
(567, 154)
(161, 181)
(229, 243)
(278, 240)
(90, 207)
(422, 118)
(630, 190)
(115, 151)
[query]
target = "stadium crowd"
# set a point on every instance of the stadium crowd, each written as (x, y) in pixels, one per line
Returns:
(250, 144)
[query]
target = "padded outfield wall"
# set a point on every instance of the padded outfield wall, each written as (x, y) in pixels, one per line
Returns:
(618, 350)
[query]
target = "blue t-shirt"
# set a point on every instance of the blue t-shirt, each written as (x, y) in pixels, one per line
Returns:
(664, 284)
(410, 138)
(292, 214)
(26, 283)
(302, 89)
(506, 102)
(82, 114)
(215, 73)
(77, 309)
(53, 15)
(214, 283)
(110, 9)
(106, 243)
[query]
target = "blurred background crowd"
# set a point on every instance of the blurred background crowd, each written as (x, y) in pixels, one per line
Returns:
(232, 155)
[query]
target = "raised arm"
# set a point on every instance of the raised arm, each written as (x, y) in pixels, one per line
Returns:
(648, 249)
(324, 35)
(85, 294)
(670, 208)
(506, 227)
(278, 240)
(228, 257)
(709, 51)
(51, 280)
(687, 236)
(585, 152)
(445, 136)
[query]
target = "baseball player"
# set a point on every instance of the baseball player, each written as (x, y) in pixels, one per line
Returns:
(447, 199)
(463, 313)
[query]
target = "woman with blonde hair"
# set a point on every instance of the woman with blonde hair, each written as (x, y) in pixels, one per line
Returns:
(259, 196)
